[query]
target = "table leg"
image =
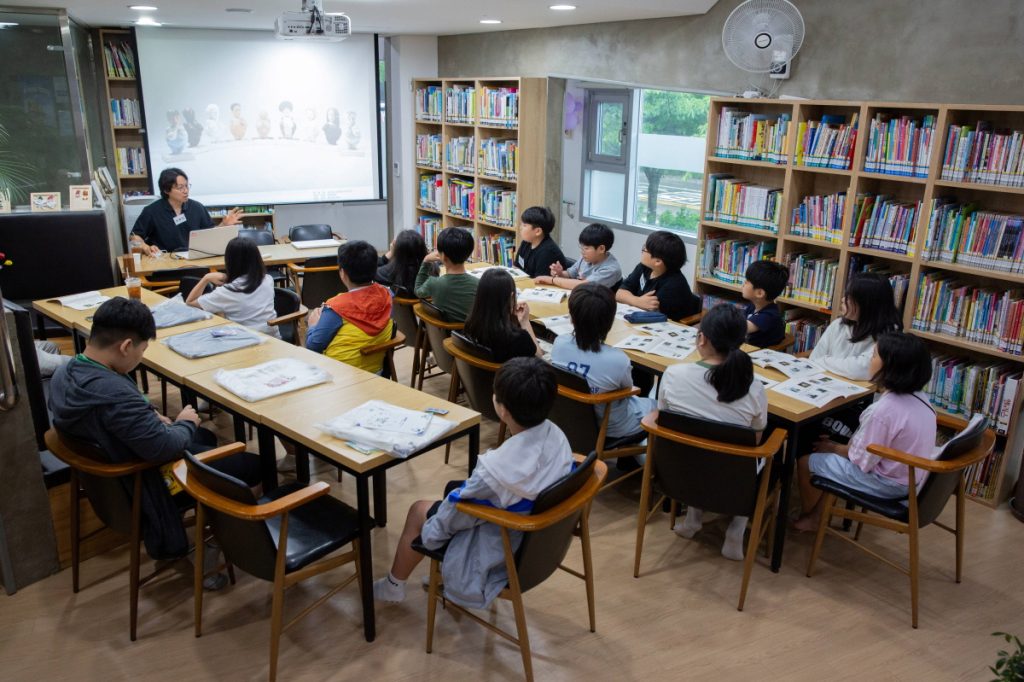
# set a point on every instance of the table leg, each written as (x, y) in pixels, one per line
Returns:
(365, 558)
(781, 521)
(380, 498)
(188, 397)
(301, 464)
(268, 457)
(240, 429)
(474, 446)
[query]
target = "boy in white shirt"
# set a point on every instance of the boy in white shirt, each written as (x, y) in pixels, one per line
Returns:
(596, 263)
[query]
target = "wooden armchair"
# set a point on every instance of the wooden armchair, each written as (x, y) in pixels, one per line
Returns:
(920, 509)
(711, 466)
(388, 348)
(787, 341)
(168, 282)
(405, 319)
(284, 538)
(692, 319)
(435, 329)
(289, 311)
(475, 372)
(316, 280)
(559, 512)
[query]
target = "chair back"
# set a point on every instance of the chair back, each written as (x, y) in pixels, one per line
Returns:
(308, 233)
(937, 490)
(476, 372)
(542, 551)
(250, 545)
(402, 314)
(287, 302)
(317, 287)
(35, 386)
(262, 236)
(437, 330)
(189, 283)
(177, 274)
(576, 419)
(704, 478)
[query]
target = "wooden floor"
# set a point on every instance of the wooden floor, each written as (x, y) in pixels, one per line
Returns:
(677, 621)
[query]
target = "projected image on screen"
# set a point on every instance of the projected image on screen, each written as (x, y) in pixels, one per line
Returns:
(252, 119)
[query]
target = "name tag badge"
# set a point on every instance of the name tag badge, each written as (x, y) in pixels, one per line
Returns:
(521, 262)
(179, 219)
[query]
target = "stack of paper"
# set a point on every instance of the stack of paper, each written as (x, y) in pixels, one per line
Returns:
(269, 379)
(541, 295)
(394, 429)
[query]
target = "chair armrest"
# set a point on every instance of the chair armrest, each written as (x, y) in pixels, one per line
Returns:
(284, 319)
(767, 448)
(302, 270)
(598, 398)
(248, 512)
(220, 453)
(802, 354)
(944, 466)
(395, 342)
(66, 454)
(692, 319)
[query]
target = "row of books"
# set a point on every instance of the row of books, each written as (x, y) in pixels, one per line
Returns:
(498, 205)
(431, 191)
(126, 112)
(736, 201)
(429, 103)
(131, 161)
(251, 209)
(120, 60)
(981, 154)
(460, 104)
(709, 301)
(499, 106)
(961, 386)
(981, 315)
(428, 150)
(899, 281)
(900, 145)
(756, 137)
(460, 154)
(462, 198)
(820, 217)
(499, 158)
(882, 222)
(828, 143)
(429, 227)
(981, 479)
(727, 259)
(812, 278)
(805, 331)
(960, 233)
(497, 249)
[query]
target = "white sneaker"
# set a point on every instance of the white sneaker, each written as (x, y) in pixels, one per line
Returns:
(386, 591)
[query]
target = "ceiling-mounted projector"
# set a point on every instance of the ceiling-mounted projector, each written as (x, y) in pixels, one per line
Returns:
(311, 23)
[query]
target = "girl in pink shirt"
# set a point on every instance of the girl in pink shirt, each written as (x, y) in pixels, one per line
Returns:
(900, 418)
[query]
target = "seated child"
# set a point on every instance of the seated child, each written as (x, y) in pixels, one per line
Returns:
(498, 322)
(509, 477)
(592, 310)
(765, 281)
(398, 267)
(538, 251)
(901, 418)
(596, 263)
(245, 294)
(454, 291)
(720, 387)
(356, 318)
(657, 283)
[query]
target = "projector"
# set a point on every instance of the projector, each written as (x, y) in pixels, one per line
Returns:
(311, 23)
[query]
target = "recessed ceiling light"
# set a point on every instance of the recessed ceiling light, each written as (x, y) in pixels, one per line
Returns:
(7, 24)
(562, 8)
(490, 21)
(147, 21)
(143, 8)
(239, 10)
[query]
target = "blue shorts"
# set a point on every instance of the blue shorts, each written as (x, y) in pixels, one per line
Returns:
(844, 472)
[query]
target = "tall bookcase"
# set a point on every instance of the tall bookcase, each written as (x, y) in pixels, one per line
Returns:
(124, 107)
(903, 177)
(480, 151)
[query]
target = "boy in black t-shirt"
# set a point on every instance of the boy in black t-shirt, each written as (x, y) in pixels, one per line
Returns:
(538, 250)
(766, 280)
(657, 282)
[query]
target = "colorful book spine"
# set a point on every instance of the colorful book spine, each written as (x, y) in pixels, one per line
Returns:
(460, 104)
(733, 200)
(499, 159)
(812, 279)
(125, 112)
(131, 162)
(964, 387)
(429, 227)
(899, 145)
(499, 106)
(498, 205)
(460, 154)
(429, 103)
(431, 191)
(828, 143)
(977, 314)
(982, 155)
(881, 222)
(709, 301)
(899, 281)
(960, 233)
(120, 60)
(497, 249)
(428, 150)
(727, 259)
(754, 137)
(820, 217)
(806, 333)
(462, 198)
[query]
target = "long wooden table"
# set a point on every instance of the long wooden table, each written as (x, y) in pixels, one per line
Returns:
(273, 254)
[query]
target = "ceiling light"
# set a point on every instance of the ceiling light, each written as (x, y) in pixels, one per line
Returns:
(7, 24)
(147, 21)
(490, 21)
(239, 10)
(143, 8)
(562, 8)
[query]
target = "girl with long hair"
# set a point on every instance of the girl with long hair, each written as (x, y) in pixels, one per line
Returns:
(497, 321)
(244, 294)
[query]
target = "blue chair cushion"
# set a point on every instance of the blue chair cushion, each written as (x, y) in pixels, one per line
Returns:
(315, 529)
(889, 508)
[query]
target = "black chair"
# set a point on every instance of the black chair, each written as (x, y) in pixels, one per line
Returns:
(474, 371)
(283, 538)
(405, 320)
(560, 511)
(435, 329)
(289, 311)
(972, 444)
(308, 233)
(265, 237)
(36, 387)
(316, 280)
(169, 281)
(711, 466)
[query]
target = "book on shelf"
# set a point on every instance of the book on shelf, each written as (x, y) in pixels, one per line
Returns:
(977, 314)
(460, 104)
(120, 60)
(960, 233)
(429, 227)
(429, 103)
(812, 279)
(498, 249)
(982, 478)
(499, 106)
(806, 332)
(734, 200)
(983, 155)
(752, 137)
(828, 143)
(899, 145)
(499, 158)
(460, 155)
(428, 150)
(899, 281)
(884, 223)
(727, 259)
(251, 209)
(819, 217)
(462, 198)
(964, 387)
(498, 205)
(709, 301)
(126, 112)
(431, 191)
(131, 161)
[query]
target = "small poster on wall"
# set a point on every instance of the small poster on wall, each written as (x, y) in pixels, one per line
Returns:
(81, 197)
(42, 202)
(5, 201)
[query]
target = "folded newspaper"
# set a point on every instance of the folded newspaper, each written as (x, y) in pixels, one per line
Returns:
(270, 379)
(818, 390)
(396, 430)
(174, 312)
(789, 365)
(203, 343)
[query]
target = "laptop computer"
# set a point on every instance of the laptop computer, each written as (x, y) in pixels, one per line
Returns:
(212, 241)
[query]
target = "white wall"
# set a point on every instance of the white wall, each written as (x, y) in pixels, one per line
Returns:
(366, 220)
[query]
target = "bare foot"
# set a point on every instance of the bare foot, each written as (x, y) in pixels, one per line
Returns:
(808, 523)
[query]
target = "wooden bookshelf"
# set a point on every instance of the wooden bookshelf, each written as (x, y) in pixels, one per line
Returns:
(260, 216)
(527, 131)
(125, 135)
(798, 181)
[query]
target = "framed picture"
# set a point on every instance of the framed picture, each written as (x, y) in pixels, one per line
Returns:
(81, 197)
(42, 202)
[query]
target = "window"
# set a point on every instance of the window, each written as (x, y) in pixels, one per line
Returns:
(649, 172)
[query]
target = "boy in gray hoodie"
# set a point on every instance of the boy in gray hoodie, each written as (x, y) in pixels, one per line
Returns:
(509, 477)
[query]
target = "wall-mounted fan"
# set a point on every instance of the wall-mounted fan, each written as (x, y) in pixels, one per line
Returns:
(763, 36)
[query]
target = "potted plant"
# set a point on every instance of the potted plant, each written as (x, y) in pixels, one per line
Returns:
(15, 173)
(1009, 665)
